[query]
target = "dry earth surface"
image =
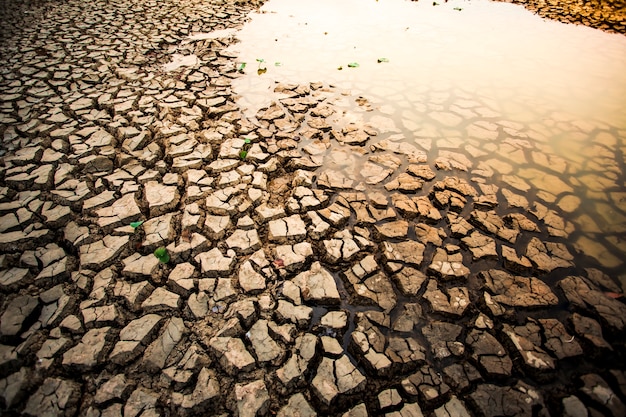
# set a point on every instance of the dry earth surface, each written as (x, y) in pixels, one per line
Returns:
(609, 15)
(289, 290)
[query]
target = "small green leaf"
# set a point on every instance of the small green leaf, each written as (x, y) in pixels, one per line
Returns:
(135, 225)
(246, 141)
(243, 154)
(241, 66)
(382, 60)
(353, 65)
(458, 9)
(278, 64)
(162, 255)
(260, 60)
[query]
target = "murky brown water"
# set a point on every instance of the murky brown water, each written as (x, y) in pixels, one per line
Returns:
(538, 107)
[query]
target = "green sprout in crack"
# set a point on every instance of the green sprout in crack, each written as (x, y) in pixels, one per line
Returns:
(162, 255)
(246, 147)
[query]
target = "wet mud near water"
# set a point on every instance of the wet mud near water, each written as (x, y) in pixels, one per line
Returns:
(522, 106)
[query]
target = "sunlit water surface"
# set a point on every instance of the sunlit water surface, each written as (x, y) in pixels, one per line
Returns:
(561, 87)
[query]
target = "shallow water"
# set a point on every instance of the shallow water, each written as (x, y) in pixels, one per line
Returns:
(515, 94)
(500, 50)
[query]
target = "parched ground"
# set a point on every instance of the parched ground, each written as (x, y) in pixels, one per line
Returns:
(417, 286)
(609, 15)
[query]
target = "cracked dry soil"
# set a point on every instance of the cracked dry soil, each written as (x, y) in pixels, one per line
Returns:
(292, 289)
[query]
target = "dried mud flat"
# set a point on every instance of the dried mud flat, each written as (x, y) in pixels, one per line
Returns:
(608, 15)
(295, 285)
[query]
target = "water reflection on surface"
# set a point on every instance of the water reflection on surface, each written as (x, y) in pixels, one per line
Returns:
(539, 104)
(500, 50)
